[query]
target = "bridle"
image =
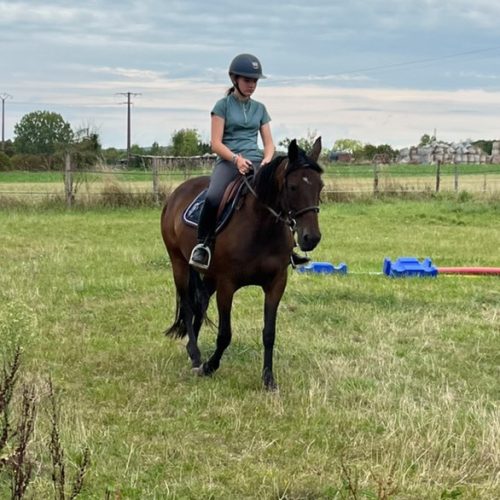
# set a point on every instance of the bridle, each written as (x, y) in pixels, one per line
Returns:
(293, 214)
(290, 216)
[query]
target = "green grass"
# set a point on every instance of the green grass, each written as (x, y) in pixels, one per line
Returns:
(92, 174)
(346, 171)
(385, 385)
(405, 170)
(134, 187)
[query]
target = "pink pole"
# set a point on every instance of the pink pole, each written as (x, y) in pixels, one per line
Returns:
(469, 270)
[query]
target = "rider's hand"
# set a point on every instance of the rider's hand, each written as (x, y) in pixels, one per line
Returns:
(243, 165)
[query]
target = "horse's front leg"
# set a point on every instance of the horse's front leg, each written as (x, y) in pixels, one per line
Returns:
(224, 303)
(273, 295)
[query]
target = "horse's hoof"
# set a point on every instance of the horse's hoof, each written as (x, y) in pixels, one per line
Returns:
(268, 380)
(198, 370)
(202, 371)
(270, 385)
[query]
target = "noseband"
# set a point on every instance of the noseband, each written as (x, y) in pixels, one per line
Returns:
(292, 215)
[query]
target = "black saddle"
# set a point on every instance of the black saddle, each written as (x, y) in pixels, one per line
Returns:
(233, 194)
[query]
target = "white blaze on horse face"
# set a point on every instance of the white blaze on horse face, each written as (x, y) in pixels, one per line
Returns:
(306, 180)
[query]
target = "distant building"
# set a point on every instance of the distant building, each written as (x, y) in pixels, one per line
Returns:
(443, 152)
(340, 157)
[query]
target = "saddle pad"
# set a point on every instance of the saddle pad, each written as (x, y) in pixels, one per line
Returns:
(192, 213)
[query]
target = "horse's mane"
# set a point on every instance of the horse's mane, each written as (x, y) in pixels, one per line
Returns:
(266, 180)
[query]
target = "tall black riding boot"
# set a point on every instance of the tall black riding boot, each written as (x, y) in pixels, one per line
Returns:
(201, 254)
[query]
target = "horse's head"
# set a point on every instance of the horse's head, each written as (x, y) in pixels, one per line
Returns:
(301, 188)
(290, 185)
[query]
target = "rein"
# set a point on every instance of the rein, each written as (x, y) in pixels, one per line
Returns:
(267, 207)
(291, 215)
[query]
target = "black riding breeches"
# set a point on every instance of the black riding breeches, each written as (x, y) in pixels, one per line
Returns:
(223, 173)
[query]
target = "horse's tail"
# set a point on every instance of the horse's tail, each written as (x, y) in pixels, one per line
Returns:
(178, 328)
(195, 307)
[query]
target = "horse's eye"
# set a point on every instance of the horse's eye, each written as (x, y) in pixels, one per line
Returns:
(293, 187)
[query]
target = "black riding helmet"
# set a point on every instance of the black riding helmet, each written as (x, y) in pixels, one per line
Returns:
(246, 65)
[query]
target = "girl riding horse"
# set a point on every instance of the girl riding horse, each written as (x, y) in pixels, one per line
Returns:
(236, 121)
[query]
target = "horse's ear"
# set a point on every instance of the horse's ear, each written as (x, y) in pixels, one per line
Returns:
(316, 150)
(293, 151)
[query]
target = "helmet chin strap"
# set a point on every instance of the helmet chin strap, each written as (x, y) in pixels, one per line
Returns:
(237, 87)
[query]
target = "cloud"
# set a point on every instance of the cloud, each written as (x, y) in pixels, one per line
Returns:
(397, 117)
(479, 76)
(132, 74)
(380, 71)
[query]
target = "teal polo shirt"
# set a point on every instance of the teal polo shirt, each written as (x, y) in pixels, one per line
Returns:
(242, 122)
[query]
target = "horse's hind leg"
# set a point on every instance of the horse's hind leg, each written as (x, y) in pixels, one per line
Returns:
(192, 343)
(200, 314)
(188, 321)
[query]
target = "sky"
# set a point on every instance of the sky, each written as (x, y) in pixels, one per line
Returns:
(377, 71)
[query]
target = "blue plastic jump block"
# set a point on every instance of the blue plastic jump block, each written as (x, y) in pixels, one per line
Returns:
(323, 268)
(409, 266)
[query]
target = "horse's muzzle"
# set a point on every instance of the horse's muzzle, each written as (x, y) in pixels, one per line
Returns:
(308, 241)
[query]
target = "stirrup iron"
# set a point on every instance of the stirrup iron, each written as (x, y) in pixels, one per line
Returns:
(206, 248)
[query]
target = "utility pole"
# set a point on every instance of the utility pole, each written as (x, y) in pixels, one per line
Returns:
(4, 97)
(128, 95)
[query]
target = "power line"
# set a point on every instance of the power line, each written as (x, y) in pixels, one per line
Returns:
(4, 97)
(414, 62)
(129, 95)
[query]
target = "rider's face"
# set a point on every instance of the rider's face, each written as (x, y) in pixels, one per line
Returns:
(246, 85)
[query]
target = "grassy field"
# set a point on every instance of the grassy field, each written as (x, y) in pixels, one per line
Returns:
(388, 388)
(31, 187)
(333, 169)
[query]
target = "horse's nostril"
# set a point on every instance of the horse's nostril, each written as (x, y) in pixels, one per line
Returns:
(308, 241)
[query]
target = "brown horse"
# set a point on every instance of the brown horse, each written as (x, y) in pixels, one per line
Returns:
(253, 249)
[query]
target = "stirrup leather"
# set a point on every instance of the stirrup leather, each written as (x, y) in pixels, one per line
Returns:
(206, 248)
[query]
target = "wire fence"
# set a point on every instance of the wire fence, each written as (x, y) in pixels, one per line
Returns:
(154, 183)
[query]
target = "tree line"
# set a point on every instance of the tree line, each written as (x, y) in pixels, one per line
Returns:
(43, 138)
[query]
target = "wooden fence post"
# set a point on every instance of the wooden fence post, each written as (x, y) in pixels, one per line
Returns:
(438, 175)
(375, 178)
(456, 178)
(68, 180)
(156, 190)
